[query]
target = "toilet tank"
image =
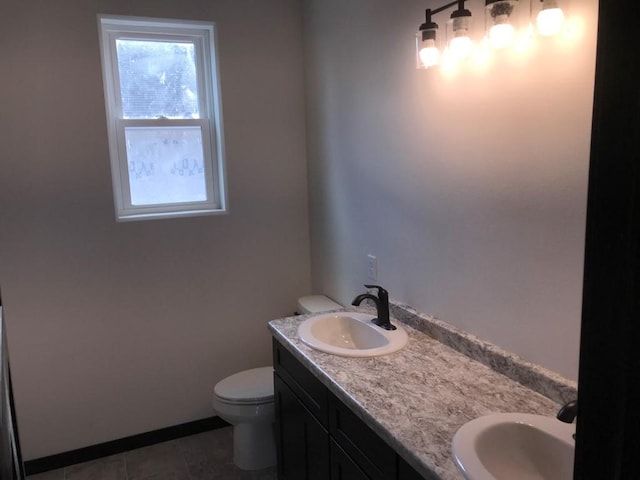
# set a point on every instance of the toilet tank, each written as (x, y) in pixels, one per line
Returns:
(316, 304)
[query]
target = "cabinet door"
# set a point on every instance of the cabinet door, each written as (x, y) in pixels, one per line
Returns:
(407, 472)
(360, 442)
(302, 442)
(343, 467)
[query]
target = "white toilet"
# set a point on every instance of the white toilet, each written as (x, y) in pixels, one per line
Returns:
(245, 400)
(316, 304)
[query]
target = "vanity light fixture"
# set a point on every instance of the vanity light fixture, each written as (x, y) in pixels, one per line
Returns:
(427, 41)
(499, 22)
(550, 18)
(509, 25)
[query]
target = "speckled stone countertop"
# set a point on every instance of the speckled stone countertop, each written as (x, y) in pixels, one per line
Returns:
(418, 397)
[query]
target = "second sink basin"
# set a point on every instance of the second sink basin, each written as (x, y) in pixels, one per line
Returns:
(350, 334)
(511, 446)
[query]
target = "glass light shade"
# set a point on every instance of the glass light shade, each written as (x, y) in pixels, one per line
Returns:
(459, 41)
(500, 23)
(549, 19)
(428, 53)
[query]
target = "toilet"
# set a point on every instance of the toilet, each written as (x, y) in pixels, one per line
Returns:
(316, 304)
(245, 400)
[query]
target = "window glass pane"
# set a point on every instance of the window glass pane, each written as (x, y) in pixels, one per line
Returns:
(157, 79)
(165, 165)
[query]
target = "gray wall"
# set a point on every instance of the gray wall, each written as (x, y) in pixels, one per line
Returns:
(469, 186)
(117, 329)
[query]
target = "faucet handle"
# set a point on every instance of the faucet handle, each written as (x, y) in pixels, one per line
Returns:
(568, 412)
(381, 291)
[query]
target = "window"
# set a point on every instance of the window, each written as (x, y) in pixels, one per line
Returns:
(162, 99)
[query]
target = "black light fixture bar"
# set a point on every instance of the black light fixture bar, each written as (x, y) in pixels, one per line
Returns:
(460, 4)
(429, 24)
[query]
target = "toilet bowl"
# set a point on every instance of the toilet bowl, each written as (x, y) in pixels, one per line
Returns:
(245, 400)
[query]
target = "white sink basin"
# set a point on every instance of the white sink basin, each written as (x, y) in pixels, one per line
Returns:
(350, 334)
(512, 446)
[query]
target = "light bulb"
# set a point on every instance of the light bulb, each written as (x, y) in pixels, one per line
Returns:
(429, 54)
(549, 20)
(460, 47)
(501, 35)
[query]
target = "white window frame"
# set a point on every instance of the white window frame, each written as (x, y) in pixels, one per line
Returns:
(203, 36)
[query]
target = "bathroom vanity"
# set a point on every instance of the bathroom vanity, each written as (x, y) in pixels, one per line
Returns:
(391, 417)
(319, 437)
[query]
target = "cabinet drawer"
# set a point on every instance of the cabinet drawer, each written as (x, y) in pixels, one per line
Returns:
(311, 392)
(371, 453)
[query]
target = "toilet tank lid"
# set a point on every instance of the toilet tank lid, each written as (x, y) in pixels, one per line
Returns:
(252, 385)
(316, 304)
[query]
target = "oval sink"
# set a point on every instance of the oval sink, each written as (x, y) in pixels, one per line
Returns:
(515, 445)
(350, 334)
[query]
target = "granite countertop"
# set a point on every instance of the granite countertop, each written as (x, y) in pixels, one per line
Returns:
(418, 397)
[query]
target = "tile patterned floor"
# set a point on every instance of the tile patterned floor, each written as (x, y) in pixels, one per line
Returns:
(206, 456)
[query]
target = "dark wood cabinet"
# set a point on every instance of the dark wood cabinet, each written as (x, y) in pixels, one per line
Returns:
(319, 437)
(11, 467)
(303, 443)
(407, 472)
(363, 445)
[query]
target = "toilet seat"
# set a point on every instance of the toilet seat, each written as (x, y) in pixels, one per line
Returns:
(250, 387)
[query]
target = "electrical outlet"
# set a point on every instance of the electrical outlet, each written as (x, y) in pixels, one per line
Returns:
(372, 267)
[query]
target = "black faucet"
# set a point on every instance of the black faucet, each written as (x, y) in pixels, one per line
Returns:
(382, 306)
(568, 412)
